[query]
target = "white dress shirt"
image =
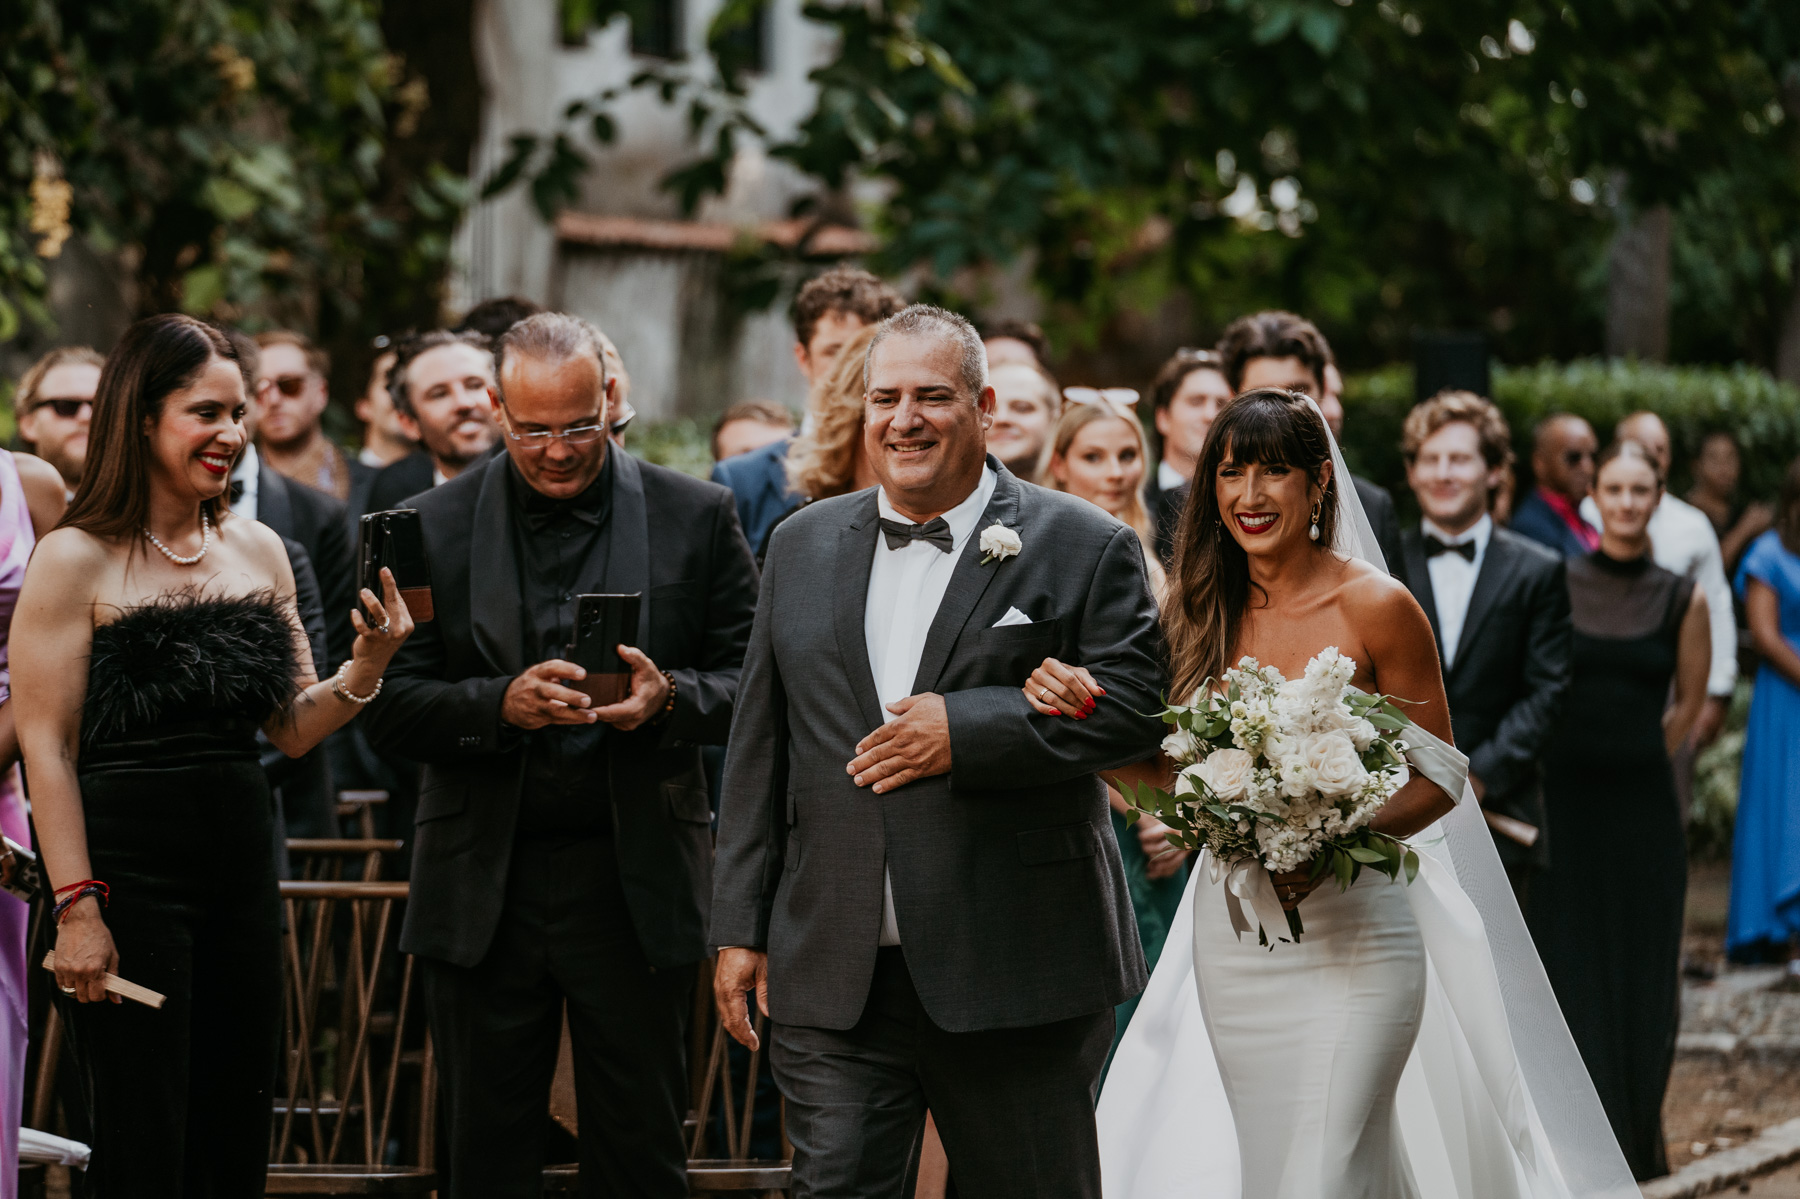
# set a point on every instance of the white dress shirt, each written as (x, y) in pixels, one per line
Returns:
(906, 585)
(1453, 580)
(1682, 542)
(1167, 477)
(245, 472)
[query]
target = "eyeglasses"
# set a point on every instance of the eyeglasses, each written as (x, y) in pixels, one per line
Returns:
(67, 409)
(1577, 457)
(579, 435)
(1122, 400)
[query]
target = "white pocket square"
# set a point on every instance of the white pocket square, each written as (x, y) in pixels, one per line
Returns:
(1013, 616)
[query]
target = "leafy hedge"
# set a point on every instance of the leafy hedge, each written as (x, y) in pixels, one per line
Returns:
(1693, 401)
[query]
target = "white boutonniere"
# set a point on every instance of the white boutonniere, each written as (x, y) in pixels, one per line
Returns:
(999, 543)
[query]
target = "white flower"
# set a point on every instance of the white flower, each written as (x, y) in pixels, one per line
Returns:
(1181, 745)
(1295, 775)
(1362, 734)
(999, 543)
(1332, 760)
(1227, 773)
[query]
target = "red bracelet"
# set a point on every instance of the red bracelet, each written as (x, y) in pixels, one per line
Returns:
(86, 882)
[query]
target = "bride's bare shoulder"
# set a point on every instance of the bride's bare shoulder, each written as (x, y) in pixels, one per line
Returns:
(1375, 600)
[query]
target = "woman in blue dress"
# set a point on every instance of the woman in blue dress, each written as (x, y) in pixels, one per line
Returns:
(1765, 859)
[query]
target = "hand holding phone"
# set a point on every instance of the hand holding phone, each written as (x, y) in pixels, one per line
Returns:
(396, 539)
(602, 624)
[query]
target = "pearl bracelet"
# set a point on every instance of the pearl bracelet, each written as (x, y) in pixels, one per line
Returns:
(343, 689)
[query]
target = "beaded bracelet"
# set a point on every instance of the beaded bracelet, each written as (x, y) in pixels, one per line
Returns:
(670, 706)
(74, 893)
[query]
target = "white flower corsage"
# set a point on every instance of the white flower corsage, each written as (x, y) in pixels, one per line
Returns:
(999, 543)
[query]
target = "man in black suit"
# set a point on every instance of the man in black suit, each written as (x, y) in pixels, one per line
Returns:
(439, 385)
(1185, 398)
(1499, 605)
(918, 866)
(1279, 349)
(564, 850)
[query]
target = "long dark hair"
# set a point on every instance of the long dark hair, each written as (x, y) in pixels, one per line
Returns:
(1212, 585)
(157, 356)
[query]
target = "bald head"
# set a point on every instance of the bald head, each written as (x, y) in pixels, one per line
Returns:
(1562, 455)
(1648, 430)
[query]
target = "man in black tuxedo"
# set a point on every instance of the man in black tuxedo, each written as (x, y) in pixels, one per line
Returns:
(439, 385)
(919, 867)
(1279, 349)
(1499, 605)
(564, 851)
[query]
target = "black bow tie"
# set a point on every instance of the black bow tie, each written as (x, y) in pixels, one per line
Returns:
(1434, 547)
(936, 531)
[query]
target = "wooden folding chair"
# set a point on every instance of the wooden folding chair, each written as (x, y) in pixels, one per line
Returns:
(340, 1090)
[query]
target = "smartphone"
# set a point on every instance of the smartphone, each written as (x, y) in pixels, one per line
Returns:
(396, 540)
(602, 624)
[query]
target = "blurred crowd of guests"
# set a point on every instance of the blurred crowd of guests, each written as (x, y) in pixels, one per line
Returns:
(1591, 631)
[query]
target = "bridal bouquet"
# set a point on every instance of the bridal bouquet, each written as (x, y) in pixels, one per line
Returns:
(1276, 773)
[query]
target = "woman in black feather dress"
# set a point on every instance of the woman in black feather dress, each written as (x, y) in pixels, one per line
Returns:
(152, 812)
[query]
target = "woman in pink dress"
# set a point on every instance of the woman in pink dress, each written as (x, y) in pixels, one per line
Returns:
(31, 501)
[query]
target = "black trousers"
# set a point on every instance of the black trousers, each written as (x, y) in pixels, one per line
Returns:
(565, 936)
(179, 1098)
(1014, 1106)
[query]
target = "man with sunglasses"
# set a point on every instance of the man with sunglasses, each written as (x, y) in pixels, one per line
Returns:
(54, 403)
(291, 395)
(1562, 462)
(563, 855)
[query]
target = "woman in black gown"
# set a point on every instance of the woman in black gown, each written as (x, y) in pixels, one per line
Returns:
(153, 815)
(1607, 915)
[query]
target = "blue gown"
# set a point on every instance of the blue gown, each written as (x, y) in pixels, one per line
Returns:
(1765, 855)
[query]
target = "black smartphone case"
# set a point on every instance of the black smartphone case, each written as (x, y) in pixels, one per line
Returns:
(602, 624)
(395, 539)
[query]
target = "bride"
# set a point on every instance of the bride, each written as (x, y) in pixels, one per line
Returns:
(1408, 1046)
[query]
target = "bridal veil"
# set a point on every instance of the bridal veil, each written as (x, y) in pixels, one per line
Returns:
(1494, 1103)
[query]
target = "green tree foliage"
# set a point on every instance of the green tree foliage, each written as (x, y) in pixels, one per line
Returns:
(1379, 165)
(236, 153)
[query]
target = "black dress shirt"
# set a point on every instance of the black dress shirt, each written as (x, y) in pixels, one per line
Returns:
(565, 791)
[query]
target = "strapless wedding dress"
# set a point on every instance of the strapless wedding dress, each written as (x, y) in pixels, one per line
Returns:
(1406, 1048)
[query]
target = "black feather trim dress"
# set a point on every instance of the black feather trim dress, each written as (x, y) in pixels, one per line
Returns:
(180, 825)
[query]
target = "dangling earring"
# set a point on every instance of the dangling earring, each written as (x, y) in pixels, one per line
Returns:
(1313, 532)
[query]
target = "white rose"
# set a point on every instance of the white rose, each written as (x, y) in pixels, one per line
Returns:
(1362, 734)
(999, 542)
(1181, 745)
(1296, 777)
(1336, 770)
(1227, 772)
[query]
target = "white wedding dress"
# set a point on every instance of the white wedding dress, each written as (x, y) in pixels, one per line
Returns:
(1409, 1047)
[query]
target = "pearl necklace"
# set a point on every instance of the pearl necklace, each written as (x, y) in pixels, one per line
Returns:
(177, 559)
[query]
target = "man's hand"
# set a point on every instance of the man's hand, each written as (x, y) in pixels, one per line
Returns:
(1164, 859)
(649, 692)
(537, 697)
(915, 746)
(738, 971)
(1710, 720)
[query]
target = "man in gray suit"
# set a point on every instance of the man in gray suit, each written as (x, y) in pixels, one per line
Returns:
(916, 873)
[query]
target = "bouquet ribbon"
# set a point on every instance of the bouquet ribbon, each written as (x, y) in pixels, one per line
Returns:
(1248, 881)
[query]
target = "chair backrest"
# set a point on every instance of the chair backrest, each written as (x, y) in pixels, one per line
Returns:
(348, 995)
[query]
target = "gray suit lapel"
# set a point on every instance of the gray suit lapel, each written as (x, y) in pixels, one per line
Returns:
(494, 599)
(850, 600)
(1488, 585)
(969, 582)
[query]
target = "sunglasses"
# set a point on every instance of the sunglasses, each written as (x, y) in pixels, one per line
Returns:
(289, 385)
(67, 409)
(1122, 400)
(1577, 457)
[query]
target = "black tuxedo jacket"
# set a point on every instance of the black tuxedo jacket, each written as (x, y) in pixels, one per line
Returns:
(1007, 881)
(675, 540)
(316, 521)
(394, 483)
(1378, 506)
(1164, 508)
(1510, 671)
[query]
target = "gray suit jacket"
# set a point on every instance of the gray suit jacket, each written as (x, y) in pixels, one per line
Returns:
(1007, 882)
